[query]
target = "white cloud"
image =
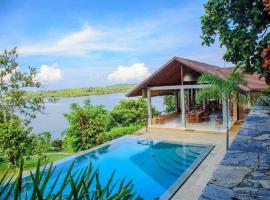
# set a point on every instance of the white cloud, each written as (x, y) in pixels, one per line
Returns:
(49, 73)
(135, 72)
(78, 43)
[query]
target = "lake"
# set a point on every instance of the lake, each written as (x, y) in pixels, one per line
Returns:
(52, 119)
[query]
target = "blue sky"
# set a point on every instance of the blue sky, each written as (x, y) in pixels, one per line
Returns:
(87, 43)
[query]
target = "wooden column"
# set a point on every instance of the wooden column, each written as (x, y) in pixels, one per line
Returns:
(149, 110)
(224, 110)
(183, 107)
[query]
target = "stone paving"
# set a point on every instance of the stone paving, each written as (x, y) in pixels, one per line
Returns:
(244, 172)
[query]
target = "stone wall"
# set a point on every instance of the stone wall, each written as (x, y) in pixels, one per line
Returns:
(244, 172)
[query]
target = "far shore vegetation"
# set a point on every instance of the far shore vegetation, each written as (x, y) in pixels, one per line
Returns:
(77, 92)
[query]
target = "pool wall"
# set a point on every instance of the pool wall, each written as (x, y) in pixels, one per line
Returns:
(244, 171)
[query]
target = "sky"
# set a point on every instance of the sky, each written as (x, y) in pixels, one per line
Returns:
(86, 43)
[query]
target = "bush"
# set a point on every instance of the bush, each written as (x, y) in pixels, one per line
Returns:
(86, 125)
(121, 131)
(39, 145)
(170, 103)
(57, 144)
(14, 140)
(129, 112)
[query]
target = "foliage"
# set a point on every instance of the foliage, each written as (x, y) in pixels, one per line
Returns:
(17, 110)
(31, 164)
(83, 184)
(14, 140)
(129, 112)
(219, 87)
(40, 144)
(86, 124)
(117, 132)
(57, 144)
(76, 92)
(13, 85)
(170, 103)
(242, 27)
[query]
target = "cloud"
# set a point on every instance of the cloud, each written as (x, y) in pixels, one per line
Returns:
(49, 73)
(78, 43)
(135, 72)
(135, 36)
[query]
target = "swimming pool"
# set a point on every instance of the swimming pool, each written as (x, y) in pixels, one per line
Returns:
(157, 168)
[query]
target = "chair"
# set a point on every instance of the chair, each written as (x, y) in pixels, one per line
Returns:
(160, 119)
(204, 116)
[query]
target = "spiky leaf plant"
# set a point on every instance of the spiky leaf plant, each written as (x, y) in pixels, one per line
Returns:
(81, 184)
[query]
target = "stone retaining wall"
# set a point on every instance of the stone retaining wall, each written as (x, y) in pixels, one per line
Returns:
(244, 172)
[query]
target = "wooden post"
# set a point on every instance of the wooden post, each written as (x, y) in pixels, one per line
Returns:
(225, 113)
(149, 110)
(183, 107)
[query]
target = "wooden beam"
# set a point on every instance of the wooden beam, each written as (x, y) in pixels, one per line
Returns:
(179, 87)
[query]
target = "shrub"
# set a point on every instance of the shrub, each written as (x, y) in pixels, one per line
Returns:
(129, 112)
(121, 131)
(57, 144)
(14, 140)
(86, 125)
(170, 103)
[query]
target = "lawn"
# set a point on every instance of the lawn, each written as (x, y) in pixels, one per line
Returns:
(31, 164)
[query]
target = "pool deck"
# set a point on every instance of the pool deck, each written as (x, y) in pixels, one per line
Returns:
(194, 185)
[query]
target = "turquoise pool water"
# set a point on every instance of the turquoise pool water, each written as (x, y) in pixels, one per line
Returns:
(157, 168)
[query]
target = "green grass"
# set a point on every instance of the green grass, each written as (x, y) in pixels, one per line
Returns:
(31, 164)
(77, 92)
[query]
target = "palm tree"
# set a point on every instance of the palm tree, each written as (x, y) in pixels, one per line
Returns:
(222, 88)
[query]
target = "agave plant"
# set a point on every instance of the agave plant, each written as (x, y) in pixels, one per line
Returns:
(82, 184)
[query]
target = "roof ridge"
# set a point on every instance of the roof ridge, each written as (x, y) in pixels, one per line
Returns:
(210, 65)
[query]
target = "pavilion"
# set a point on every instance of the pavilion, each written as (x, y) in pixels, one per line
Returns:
(179, 77)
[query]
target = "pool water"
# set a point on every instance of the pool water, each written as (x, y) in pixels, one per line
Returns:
(157, 168)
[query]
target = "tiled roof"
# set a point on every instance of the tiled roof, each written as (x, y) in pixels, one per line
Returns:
(253, 81)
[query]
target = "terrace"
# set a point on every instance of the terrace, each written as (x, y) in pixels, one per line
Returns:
(179, 77)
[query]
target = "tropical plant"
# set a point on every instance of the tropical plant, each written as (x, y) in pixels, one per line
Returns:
(170, 103)
(242, 27)
(40, 144)
(86, 124)
(14, 140)
(57, 144)
(222, 89)
(82, 184)
(13, 86)
(129, 112)
(16, 108)
(120, 131)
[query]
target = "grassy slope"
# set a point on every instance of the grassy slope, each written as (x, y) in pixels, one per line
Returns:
(31, 164)
(76, 92)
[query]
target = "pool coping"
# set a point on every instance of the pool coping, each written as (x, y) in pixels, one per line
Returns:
(173, 189)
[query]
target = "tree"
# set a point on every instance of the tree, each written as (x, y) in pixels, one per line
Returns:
(17, 109)
(221, 89)
(170, 103)
(129, 112)
(14, 140)
(86, 124)
(242, 27)
(14, 100)
(40, 144)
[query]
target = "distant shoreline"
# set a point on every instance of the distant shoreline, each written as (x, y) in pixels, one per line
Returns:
(78, 92)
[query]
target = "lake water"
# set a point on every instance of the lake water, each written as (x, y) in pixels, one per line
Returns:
(52, 119)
